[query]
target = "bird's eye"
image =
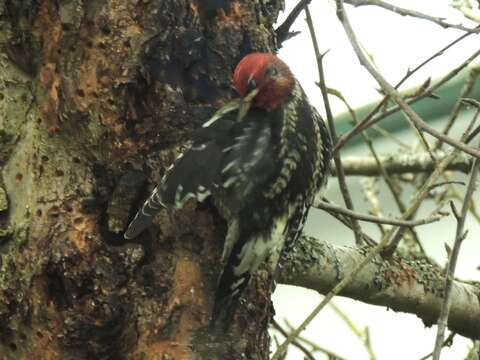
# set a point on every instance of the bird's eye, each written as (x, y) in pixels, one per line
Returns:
(251, 85)
(271, 71)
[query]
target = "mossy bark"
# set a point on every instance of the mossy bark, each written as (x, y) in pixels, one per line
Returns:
(96, 99)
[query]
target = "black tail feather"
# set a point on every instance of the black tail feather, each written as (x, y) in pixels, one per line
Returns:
(229, 290)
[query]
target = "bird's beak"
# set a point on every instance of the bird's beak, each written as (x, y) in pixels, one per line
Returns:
(246, 103)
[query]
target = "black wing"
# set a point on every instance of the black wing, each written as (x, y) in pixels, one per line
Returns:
(228, 155)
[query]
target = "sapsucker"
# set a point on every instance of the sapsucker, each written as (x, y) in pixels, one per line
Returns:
(262, 157)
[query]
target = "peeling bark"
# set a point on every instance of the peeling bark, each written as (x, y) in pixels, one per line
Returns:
(96, 99)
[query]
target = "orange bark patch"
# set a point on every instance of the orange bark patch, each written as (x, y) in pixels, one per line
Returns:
(81, 227)
(49, 30)
(236, 14)
(51, 82)
(402, 276)
(189, 296)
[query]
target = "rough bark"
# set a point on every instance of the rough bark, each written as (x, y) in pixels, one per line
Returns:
(96, 99)
(413, 286)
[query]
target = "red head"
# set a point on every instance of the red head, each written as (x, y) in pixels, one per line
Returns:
(267, 73)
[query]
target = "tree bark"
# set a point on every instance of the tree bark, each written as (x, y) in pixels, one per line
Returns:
(413, 286)
(96, 100)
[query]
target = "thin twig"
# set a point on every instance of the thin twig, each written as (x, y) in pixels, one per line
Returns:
(459, 237)
(448, 342)
(302, 348)
(345, 220)
(314, 346)
(400, 164)
(391, 184)
(407, 12)
(466, 90)
(283, 31)
(370, 119)
(374, 219)
(427, 188)
(337, 288)
(362, 335)
(336, 157)
(392, 92)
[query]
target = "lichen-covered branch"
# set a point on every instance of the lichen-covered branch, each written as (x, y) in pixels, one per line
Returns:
(411, 286)
(400, 164)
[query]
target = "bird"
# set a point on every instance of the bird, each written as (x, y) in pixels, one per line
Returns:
(262, 158)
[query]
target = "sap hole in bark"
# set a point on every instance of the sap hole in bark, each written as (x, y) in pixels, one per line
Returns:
(106, 30)
(76, 160)
(54, 211)
(19, 177)
(44, 158)
(56, 290)
(2, 96)
(39, 213)
(78, 220)
(39, 120)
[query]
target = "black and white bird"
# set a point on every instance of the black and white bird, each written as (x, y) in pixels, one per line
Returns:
(263, 158)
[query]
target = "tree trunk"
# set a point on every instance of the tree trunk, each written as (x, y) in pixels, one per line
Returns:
(96, 100)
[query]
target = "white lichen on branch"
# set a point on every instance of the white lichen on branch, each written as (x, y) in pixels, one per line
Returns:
(412, 286)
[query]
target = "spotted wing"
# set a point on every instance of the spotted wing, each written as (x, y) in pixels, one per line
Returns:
(228, 155)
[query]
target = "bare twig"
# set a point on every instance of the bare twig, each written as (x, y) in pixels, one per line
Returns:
(327, 206)
(393, 93)
(345, 220)
(448, 342)
(314, 346)
(400, 164)
(371, 119)
(459, 237)
(422, 193)
(302, 348)
(362, 335)
(407, 12)
(466, 90)
(283, 31)
(336, 157)
(388, 179)
(336, 290)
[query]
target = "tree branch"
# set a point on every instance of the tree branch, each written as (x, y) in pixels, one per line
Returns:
(407, 12)
(411, 286)
(400, 164)
(329, 207)
(342, 183)
(283, 31)
(392, 92)
(452, 262)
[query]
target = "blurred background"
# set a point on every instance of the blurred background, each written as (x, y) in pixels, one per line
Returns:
(395, 43)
